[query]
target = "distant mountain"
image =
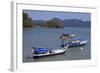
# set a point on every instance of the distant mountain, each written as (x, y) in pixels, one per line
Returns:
(65, 23)
(76, 23)
(57, 19)
(61, 23)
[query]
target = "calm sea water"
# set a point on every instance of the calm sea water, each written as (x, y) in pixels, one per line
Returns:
(49, 38)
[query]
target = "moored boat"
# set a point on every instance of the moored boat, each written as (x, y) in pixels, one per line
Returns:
(74, 42)
(41, 52)
(66, 36)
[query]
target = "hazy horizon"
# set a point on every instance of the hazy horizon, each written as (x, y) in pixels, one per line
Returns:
(48, 15)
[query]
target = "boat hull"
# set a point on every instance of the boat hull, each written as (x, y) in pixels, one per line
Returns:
(48, 55)
(74, 45)
(82, 43)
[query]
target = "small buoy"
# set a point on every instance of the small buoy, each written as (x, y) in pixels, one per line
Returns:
(81, 48)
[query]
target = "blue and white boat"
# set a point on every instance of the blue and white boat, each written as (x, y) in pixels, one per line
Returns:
(41, 52)
(74, 42)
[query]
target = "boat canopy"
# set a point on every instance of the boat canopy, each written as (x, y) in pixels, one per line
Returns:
(40, 50)
(67, 34)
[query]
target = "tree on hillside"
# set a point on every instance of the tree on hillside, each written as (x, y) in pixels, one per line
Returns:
(27, 21)
(25, 16)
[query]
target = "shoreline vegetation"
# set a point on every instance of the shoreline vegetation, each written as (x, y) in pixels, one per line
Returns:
(28, 22)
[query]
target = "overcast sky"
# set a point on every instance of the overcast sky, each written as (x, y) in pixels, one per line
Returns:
(47, 15)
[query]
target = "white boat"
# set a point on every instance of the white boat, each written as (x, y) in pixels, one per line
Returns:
(48, 52)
